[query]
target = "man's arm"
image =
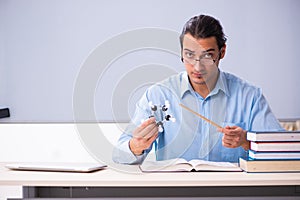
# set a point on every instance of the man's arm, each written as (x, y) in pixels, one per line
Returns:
(131, 148)
(234, 136)
(143, 136)
(262, 119)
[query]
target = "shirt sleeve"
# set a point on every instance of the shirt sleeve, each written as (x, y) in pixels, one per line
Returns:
(262, 117)
(122, 153)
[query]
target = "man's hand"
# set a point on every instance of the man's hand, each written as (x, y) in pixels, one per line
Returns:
(143, 136)
(234, 136)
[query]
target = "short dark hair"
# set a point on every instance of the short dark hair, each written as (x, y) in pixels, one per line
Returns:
(204, 26)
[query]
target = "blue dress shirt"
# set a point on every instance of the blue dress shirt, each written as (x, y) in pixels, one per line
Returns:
(233, 101)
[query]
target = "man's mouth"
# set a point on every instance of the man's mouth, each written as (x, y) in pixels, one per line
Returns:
(197, 75)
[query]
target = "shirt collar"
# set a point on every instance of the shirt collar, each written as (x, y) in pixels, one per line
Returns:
(185, 84)
(221, 85)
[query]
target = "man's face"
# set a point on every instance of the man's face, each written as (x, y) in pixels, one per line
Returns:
(201, 59)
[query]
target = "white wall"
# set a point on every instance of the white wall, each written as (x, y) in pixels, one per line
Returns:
(10, 192)
(45, 43)
(49, 142)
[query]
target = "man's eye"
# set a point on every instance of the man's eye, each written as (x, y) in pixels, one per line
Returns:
(189, 54)
(207, 55)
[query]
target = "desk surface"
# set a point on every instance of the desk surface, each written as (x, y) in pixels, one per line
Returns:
(110, 177)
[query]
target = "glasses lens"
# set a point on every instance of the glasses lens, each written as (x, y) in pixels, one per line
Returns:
(203, 61)
(189, 61)
(207, 61)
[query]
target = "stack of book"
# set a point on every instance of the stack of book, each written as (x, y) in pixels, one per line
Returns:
(272, 152)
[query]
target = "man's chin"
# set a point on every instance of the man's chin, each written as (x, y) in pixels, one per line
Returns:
(199, 81)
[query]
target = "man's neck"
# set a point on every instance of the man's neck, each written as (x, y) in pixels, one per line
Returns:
(202, 90)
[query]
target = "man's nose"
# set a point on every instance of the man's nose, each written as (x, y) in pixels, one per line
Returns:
(198, 65)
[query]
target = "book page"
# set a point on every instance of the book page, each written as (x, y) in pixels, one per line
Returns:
(178, 164)
(204, 165)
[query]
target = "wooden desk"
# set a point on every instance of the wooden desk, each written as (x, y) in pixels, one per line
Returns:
(113, 183)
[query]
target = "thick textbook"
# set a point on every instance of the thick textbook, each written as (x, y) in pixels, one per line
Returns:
(273, 136)
(269, 165)
(181, 165)
(259, 155)
(275, 146)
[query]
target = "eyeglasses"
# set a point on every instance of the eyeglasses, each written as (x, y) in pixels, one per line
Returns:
(204, 60)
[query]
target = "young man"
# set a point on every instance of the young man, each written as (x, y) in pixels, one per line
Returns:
(223, 98)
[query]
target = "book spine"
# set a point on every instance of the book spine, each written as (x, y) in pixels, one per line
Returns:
(255, 155)
(269, 165)
(275, 146)
(288, 136)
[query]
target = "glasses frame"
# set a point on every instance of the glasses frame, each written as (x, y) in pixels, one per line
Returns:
(200, 58)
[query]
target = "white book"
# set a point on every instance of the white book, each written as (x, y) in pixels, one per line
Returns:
(181, 165)
(275, 146)
(274, 136)
(270, 165)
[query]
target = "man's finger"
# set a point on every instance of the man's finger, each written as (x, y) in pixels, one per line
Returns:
(151, 139)
(144, 125)
(149, 133)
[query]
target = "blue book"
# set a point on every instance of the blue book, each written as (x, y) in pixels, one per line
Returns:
(256, 155)
(274, 136)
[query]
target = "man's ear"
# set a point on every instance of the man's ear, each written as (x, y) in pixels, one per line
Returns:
(223, 51)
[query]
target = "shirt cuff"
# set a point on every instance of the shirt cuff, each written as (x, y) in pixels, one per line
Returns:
(123, 154)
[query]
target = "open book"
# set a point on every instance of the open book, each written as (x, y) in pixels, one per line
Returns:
(181, 165)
